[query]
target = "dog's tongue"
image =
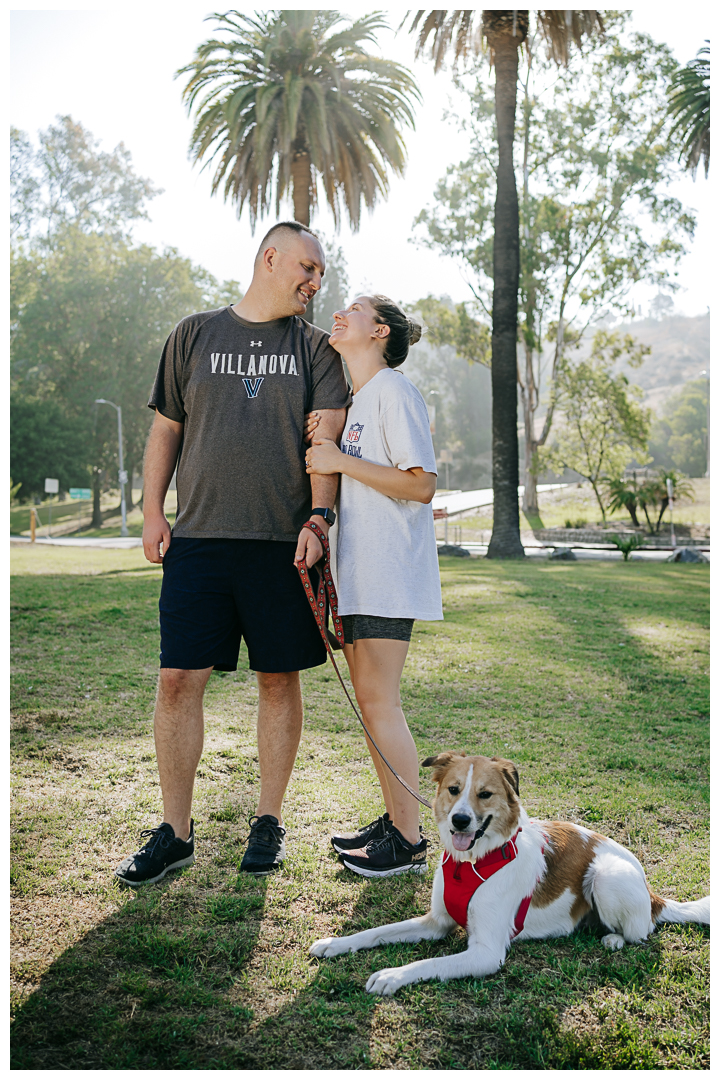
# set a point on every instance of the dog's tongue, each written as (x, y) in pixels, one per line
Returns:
(463, 840)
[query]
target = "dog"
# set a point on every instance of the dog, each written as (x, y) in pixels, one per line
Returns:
(506, 876)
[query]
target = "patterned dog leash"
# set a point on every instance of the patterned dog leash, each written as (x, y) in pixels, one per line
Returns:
(326, 602)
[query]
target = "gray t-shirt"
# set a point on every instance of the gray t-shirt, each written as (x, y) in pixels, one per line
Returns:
(387, 560)
(241, 390)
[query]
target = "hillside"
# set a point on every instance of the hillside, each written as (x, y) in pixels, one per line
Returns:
(680, 350)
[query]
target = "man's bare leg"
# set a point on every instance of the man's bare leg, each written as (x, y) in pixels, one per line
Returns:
(179, 730)
(279, 727)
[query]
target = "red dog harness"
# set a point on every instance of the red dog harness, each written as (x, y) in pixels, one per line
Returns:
(462, 879)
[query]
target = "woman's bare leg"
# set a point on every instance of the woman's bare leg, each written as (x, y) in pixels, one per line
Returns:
(380, 769)
(377, 665)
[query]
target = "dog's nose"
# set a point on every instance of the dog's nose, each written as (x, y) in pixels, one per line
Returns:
(461, 821)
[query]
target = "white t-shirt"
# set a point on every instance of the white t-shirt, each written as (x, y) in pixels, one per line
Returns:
(387, 560)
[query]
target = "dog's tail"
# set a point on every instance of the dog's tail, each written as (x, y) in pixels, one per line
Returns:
(670, 911)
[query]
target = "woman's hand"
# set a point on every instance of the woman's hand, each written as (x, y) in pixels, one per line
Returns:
(324, 457)
(310, 425)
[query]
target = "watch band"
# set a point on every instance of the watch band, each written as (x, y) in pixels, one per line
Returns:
(324, 512)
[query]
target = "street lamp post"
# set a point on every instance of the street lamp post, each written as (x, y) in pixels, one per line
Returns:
(122, 476)
(706, 375)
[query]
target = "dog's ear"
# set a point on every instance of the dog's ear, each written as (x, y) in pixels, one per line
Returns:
(441, 763)
(510, 773)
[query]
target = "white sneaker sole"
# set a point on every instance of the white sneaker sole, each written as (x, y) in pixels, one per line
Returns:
(410, 868)
(151, 881)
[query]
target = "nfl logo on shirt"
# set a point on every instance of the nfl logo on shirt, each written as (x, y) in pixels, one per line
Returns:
(354, 433)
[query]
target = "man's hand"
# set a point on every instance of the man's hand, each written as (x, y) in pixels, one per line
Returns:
(309, 547)
(156, 532)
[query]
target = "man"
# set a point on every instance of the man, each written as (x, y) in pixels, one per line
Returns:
(231, 392)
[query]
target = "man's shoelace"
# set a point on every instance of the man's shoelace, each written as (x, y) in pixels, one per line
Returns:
(160, 836)
(265, 833)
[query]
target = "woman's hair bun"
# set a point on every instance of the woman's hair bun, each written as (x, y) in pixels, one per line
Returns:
(415, 331)
(404, 331)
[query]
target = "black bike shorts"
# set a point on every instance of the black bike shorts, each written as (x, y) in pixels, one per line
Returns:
(356, 627)
(216, 592)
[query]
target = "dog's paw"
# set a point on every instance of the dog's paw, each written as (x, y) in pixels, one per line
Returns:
(613, 941)
(329, 946)
(385, 982)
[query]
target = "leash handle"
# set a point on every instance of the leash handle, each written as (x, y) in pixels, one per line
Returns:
(318, 605)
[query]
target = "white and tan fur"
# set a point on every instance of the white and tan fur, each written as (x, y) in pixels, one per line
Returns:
(575, 876)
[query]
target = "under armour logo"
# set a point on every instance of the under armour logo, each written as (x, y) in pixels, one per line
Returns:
(258, 343)
(252, 386)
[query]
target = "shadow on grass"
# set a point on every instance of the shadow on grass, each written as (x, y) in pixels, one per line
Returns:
(515, 1019)
(150, 987)
(534, 520)
(164, 984)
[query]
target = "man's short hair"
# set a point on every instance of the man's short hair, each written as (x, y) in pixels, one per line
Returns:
(296, 227)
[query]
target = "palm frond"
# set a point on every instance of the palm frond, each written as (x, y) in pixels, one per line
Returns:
(462, 33)
(450, 31)
(689, 106)
(561, 28)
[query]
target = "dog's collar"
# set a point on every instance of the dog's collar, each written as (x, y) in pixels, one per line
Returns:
(493, 860)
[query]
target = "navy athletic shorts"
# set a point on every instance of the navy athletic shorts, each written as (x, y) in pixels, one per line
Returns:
(216, 592)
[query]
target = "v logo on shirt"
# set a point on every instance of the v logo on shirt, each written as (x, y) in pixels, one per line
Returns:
(252, 386)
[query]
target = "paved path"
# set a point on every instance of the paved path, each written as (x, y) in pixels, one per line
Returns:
(457, 502)
(535, 551)
(82, 541)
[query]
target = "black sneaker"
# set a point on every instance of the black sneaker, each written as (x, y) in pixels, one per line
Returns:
(163, 852)
(366, 833)
(389, 855)
(266, 846)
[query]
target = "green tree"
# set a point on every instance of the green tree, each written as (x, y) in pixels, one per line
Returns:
(68, 180)
(689, 107)
(603, 426)
(504, 32)
(286, 98)
(44, 441)
(92, 325)
(594, 217)
(679, 438)
(453, 324)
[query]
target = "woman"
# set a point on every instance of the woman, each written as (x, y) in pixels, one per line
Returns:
(387, 566)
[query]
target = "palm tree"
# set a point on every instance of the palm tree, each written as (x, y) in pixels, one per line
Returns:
(689, 93)
(464, 33)
(287, 96)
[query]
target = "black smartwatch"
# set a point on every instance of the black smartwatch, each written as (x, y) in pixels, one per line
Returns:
(324, 512)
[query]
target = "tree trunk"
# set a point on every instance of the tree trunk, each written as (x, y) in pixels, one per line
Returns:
(505, 540)
(97, 520)
(302, 198)
(529, 400)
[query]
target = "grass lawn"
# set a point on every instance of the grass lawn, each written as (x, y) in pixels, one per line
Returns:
(592, 677)
(70, 518)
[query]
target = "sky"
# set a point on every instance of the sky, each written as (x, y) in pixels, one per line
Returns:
(111, 68)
